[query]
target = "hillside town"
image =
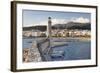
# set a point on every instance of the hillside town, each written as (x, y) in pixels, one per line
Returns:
(58, 33)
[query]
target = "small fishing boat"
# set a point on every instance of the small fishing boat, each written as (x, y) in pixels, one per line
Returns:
(56, 54)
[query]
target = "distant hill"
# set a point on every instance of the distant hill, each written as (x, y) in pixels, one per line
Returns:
(73, 25)
(70, 25)
(41, 28)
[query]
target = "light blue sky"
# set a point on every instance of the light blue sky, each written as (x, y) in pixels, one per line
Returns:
(34, 17)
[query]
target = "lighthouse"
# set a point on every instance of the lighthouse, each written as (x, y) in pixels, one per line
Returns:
(49, 27)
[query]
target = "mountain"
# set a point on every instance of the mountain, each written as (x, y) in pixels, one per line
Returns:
(72, 25)
(40, 28)
(69, 25)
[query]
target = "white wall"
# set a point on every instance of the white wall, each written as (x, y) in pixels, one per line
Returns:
(5, 37)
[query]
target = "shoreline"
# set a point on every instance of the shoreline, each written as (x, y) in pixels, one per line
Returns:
(63, 38)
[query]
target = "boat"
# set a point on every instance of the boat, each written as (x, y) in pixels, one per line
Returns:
(56, 54)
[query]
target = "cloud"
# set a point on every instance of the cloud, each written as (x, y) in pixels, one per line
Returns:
(61, 21)
(54, 21)
(27, 25)
(81, 20)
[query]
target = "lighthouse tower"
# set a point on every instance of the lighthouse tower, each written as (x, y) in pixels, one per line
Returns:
(49, 27)
(49, 34)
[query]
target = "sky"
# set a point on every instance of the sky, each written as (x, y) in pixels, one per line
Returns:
(36, 17)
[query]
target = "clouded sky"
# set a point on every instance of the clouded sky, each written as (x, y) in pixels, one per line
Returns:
(33, 17)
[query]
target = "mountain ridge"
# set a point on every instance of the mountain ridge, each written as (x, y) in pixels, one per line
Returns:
(69, 25)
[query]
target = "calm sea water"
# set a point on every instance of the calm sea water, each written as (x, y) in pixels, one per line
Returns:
(74, 50)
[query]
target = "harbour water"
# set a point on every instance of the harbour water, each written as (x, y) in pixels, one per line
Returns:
(73, 49)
